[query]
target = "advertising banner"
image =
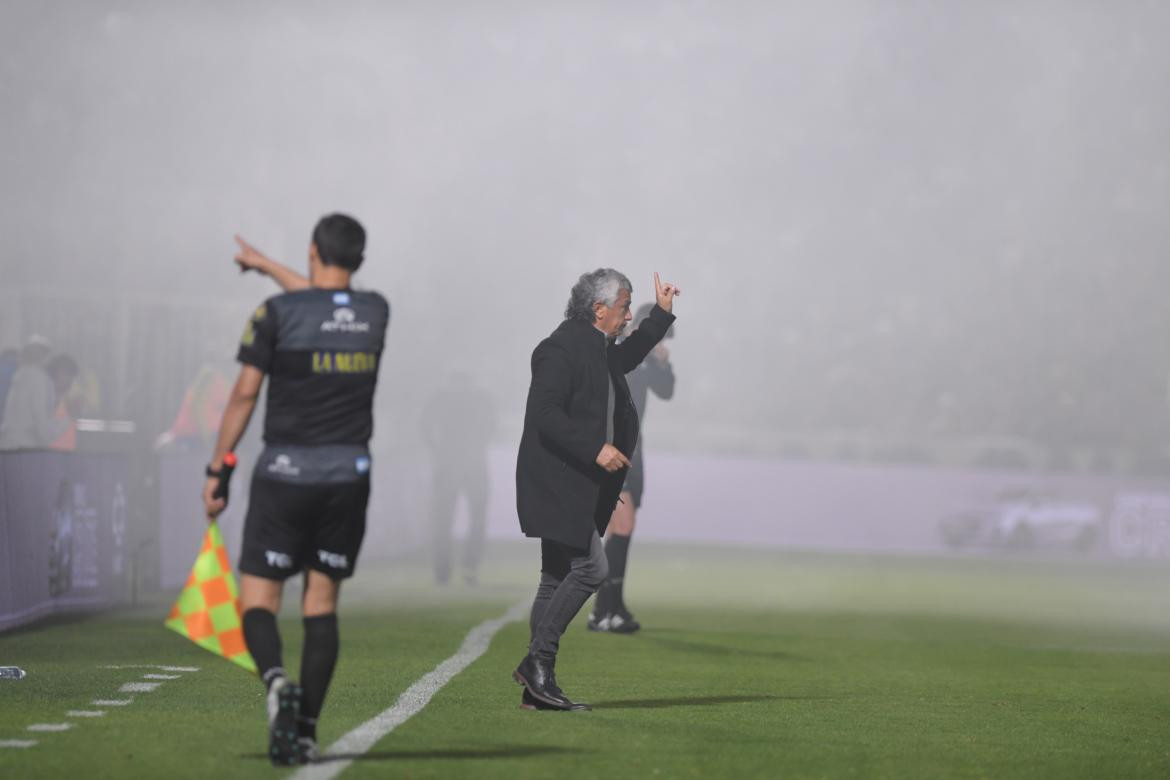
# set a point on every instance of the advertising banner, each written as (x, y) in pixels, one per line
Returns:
(63, 524)
(737, 500)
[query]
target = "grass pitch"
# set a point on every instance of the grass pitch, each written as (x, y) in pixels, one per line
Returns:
(752, 664)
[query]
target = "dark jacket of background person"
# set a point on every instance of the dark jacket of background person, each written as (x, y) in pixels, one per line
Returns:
(561, 492)
(9, 363)
(457, 425)
(652, 375)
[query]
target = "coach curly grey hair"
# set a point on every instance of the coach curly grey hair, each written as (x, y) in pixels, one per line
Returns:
(601, 285)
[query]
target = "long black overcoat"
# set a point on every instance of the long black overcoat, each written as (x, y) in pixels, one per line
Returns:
(561, 492)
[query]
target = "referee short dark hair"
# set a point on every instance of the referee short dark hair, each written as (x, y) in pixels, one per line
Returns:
(340, 241)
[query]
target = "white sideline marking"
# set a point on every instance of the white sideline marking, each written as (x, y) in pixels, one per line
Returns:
(412, 700)
(137, 687)
(111, 702)
(154, 666)
(17, 743)
(86, 713)
(50, 727)
(161, 676)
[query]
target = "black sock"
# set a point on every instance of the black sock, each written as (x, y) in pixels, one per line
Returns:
(616, 549)
(263, 640)
(317, 662)
(601, 605)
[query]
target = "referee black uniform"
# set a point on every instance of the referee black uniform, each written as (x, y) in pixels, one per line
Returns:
(321, 350)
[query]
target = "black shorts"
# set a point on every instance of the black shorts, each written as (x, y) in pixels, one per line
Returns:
(635, 479)
(292, 527)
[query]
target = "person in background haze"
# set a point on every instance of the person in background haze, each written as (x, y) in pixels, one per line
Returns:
(654, 374)
(63, 370)
(457, 425)
(9, 362)
(29, 420)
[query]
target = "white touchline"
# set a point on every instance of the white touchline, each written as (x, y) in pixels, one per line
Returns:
(137, 687)
(50, 727)
(161, 676)
(85, 713)
(111, 702)
(161, 667)
(412, 700)
(17, 743)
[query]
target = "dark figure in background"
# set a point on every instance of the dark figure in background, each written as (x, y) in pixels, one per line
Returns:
(320, 344)
(654, 375)
(578, 424)
(9, 362)
(458, 423)
(63, 370)
(197, 422)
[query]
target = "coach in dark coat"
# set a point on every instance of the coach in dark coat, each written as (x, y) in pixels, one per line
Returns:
(561, 491)
(580, 427)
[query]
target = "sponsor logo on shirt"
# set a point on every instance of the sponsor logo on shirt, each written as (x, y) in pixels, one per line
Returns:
(345, 321)
(283, 465)
(345, 362)
(362, 465)
(341, 299)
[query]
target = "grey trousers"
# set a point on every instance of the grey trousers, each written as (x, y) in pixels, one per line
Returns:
(568, 577)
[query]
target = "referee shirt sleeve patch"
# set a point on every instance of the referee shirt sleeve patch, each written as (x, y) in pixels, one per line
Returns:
(258, 342)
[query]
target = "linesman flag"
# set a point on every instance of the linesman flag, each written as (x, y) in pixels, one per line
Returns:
(208, 610)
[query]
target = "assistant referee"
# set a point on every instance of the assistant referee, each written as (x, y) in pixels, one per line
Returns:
(320, 344)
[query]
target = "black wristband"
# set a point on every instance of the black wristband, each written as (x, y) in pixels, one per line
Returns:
(209, 471)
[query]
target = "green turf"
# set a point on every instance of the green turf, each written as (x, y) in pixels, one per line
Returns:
(753, 664)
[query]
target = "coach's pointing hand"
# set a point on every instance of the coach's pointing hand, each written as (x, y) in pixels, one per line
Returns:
(664, 293)
(611, 459)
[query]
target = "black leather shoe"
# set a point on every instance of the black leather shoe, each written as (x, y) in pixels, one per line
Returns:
(529, 702)
(538, 678)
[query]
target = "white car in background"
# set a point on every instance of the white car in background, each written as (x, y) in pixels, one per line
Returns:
(1021, 518)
